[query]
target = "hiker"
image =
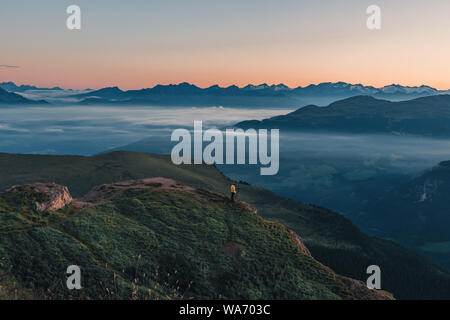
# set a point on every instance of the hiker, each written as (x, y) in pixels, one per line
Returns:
(233, 192)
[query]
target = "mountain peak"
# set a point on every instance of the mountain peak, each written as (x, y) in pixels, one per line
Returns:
(397, 88)
(187, 84)
(7, 97)
(363, 100)
(114, 89)
(256, 87)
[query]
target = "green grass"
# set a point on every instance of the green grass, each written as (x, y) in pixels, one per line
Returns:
(160, 244)
(332, 239)
(17, 212)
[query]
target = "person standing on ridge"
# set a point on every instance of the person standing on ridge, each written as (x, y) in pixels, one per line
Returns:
(233, 192)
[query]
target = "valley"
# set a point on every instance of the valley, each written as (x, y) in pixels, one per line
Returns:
(354, 173)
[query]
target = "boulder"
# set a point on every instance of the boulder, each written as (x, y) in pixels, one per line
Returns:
(47, 196)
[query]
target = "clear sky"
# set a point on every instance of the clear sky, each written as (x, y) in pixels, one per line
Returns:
(140, 43)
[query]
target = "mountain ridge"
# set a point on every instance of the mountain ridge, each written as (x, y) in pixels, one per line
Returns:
(332, 239)
(251, 95)
(13, 98)
(12, 87)
(335, 90)
(172, 218)
(428, 116)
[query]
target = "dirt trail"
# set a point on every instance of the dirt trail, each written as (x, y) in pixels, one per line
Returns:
(104, 193)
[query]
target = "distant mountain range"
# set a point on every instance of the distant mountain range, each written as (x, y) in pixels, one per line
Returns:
(251, 96)
(13, 98)
(12, 87)
(427, 116)
(263, 95)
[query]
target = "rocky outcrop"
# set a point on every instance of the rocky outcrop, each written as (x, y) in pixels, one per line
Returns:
(46, 196)
(362, 292)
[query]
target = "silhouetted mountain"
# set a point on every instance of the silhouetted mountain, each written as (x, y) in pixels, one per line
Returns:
(261, 95)
(428, 116)
(258, 96)
(186, 94)
(12, 87)
(342, 89)
(12, 98)
(111, 93)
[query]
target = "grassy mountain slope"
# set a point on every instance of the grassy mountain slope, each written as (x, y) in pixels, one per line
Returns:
(159, 239)
(332, 239)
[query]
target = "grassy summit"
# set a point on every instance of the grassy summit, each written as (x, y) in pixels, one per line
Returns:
(158, 239)
(332, 239)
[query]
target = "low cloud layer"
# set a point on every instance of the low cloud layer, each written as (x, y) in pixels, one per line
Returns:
(88, 129)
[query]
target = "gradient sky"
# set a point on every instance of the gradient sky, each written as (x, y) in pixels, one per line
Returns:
(140, 43)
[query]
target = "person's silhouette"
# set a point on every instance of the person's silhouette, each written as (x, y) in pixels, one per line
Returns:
(233, 192)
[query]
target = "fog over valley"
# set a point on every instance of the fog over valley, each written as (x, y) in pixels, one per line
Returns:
(88, 130)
